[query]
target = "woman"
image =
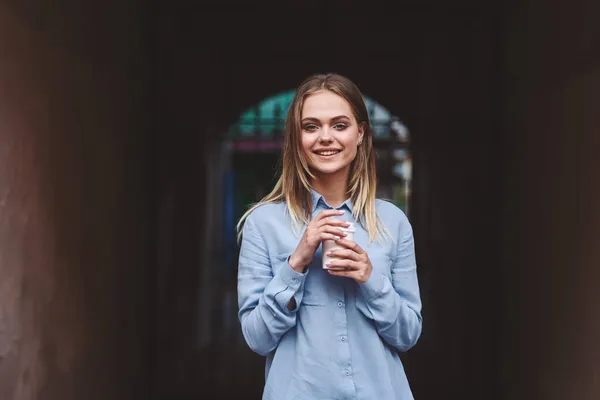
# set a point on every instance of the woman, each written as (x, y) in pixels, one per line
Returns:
(328, 333)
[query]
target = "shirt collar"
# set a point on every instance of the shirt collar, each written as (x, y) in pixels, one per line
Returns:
(317, 197)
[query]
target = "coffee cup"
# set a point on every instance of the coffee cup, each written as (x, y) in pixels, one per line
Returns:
(329, 245)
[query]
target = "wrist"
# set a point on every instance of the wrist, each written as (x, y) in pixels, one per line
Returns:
(297, 264)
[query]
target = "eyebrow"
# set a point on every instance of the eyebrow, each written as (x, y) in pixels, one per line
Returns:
(332, 119)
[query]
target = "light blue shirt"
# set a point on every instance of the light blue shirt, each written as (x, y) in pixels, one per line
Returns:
(341, 340)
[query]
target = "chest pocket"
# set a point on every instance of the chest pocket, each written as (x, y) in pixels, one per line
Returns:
(315, 287)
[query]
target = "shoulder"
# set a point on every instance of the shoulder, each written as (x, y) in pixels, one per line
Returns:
(388, 210)
(392, 216)
(266, 211)
(265, 215)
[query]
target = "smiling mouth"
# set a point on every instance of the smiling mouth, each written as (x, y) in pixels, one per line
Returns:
(327, 153)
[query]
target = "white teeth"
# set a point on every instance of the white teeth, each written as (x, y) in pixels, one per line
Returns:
(328, 153)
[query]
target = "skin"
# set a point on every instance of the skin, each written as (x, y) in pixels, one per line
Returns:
(328, 125)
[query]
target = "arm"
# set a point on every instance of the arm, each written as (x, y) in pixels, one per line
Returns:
(264, 297)
(395, 305)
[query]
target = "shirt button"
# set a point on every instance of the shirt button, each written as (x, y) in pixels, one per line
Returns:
(340, 304)
(347, 373)
(295, 280)
(343, 338)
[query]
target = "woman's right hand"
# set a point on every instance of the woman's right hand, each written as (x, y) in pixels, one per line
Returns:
(324, 227)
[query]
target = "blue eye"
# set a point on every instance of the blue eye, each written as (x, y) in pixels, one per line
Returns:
(310, 128)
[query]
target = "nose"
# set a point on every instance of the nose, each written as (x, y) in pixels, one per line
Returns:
(324, 136)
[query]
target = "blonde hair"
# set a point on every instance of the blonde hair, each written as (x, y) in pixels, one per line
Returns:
(293, 186)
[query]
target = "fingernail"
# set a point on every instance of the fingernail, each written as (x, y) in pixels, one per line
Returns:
(328, 253)
(340, 211)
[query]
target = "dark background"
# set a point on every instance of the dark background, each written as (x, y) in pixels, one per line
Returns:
(113, 117)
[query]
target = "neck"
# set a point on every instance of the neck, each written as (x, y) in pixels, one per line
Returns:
(333, 187)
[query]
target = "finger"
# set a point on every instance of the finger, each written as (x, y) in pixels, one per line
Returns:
(333, 221)
(344, 254)
(328, 213)
(343, 273)
(332, 230)
(346, 264)
(351, 246)
(329, 236)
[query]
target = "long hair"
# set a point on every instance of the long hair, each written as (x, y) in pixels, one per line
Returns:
(293, 186)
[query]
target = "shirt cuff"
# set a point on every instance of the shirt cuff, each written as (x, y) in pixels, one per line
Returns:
(289, 276)
(293, 285)
(373, 287)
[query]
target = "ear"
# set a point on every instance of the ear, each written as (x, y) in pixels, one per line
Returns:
(361, 132)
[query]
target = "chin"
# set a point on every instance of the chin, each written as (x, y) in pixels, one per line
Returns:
(319, 169)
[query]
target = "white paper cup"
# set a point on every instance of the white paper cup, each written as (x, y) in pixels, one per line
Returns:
(329, 245)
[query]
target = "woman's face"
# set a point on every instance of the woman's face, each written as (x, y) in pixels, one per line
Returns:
(330, 133)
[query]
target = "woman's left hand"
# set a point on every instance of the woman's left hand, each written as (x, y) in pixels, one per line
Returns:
(352, 260)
